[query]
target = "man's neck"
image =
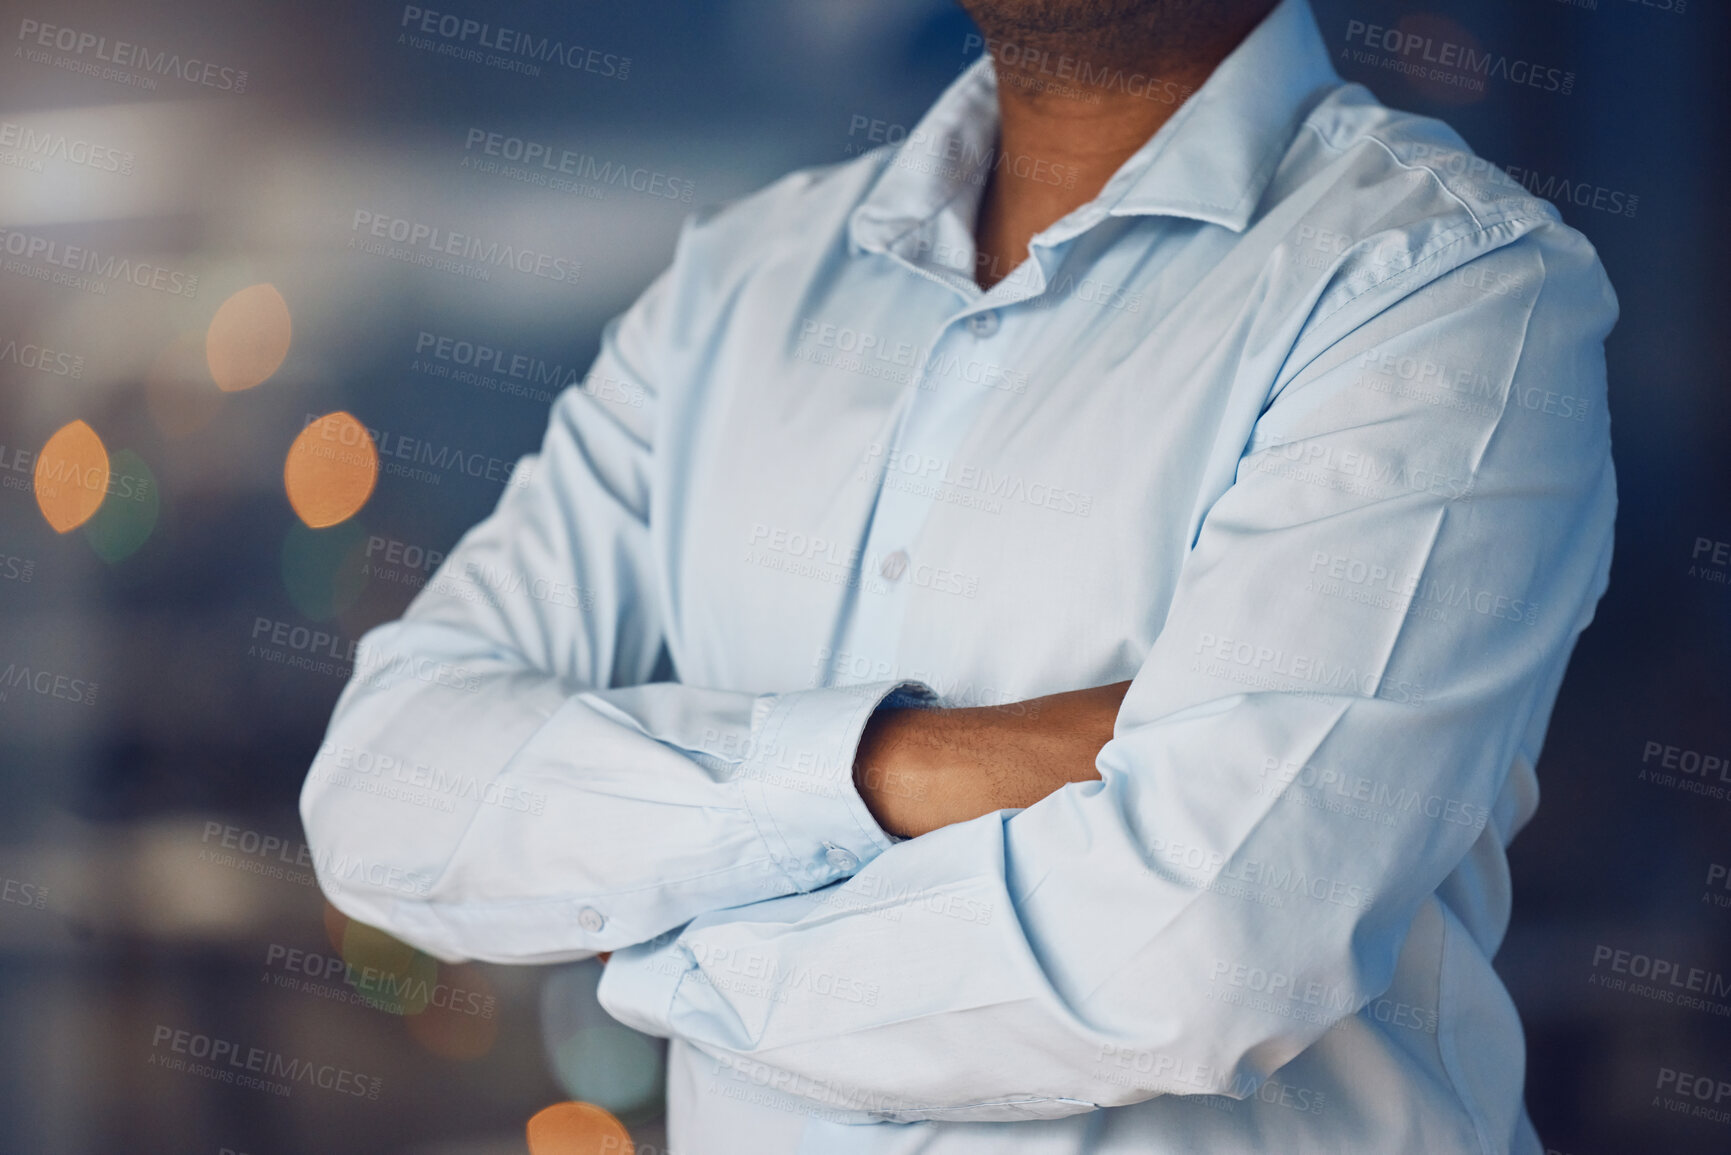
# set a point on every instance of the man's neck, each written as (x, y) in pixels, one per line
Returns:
(1060, 139)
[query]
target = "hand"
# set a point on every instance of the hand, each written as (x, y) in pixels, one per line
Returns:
(920, 769)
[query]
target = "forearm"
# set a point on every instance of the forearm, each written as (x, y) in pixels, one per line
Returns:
(921, 769)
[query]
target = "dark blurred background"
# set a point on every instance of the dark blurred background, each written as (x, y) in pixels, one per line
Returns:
(194, 634)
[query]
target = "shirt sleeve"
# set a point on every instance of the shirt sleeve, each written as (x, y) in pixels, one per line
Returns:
(1367, 634)
(497, 782)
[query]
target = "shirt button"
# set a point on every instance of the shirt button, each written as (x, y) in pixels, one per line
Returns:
(590, 919)
(983, 324)
(894, 565)
(841, 859)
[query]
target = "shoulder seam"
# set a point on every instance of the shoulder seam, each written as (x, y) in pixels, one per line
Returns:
(1461, 236)
(1430, 172)
(1394, 156)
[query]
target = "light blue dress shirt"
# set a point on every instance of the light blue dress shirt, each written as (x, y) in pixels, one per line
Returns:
(1300, 423)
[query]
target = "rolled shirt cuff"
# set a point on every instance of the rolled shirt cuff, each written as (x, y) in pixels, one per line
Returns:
(798, 782)
(638, 984)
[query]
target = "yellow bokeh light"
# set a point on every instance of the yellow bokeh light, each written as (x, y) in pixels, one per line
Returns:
(71, 476)
(248, 338)
(460, 1021)
(367, 947)
(388, 974)
(331, 470)
(336, 923)
(577, 1129)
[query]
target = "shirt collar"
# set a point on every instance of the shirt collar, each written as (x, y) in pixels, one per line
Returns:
(1210, 162)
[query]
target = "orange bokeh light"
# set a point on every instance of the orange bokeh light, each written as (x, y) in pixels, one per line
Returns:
(248, 338)
(331, 470)
(572, 1128)
(71, 476)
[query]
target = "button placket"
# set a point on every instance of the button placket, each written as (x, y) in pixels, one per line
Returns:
(934, 423)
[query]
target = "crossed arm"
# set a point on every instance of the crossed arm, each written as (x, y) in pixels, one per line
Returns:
(651, 825)
(918, 770)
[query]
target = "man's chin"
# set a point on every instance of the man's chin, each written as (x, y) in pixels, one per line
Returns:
(1114, 30)
(1065, 17)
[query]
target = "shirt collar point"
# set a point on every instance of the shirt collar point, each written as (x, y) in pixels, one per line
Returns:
(1215, 157)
